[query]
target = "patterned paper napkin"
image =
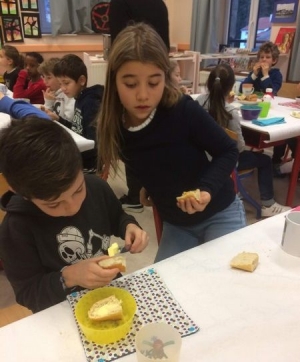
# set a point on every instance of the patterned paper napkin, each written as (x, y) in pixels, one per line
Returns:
(155, 303)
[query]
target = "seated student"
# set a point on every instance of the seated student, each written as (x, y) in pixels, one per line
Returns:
(264, 75)
(12, 61)
(72, 75)
(219, 85)
(29, 83)
(57, 105)
(176, 77)
(58, 221)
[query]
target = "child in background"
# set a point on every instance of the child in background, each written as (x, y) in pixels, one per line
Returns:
(72, 75)
(58, 221)
(219, 85)
(263, 75)
(57, 105)
(175, 76)
(163, 136)
(12, 61)
(30, 83)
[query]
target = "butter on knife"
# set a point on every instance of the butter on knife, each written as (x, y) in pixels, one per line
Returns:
(113, 249)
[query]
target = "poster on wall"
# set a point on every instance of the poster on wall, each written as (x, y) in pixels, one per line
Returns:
(285, 11)
(284, 39)
(31, 25)
(12, 29)
(29, 5)
(8, 8)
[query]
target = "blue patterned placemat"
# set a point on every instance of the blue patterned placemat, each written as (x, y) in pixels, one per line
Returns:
(155, 303)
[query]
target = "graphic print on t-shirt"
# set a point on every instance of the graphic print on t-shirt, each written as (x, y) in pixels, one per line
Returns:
(73, 248)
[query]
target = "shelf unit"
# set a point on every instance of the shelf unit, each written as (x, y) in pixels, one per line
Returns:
(189, 63)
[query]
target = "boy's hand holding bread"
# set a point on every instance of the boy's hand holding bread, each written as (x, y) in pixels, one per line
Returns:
(87, 274)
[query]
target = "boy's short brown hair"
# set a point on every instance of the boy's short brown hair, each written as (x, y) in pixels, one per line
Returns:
(269, 47)
(38, 158)
(46, 68)
(70, 66)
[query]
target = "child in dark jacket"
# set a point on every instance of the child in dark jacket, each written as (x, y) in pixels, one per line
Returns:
(58, 221)
(72, 74)
(263, 75)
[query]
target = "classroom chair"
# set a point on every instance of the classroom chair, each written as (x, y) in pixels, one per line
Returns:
(238, 176)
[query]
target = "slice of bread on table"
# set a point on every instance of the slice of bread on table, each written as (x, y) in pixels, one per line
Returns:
(245, 261)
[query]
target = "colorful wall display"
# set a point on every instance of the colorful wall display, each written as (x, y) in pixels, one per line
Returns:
(19, 19)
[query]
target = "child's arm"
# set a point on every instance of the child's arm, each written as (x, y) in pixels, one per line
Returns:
(273, 80)
(19, 88)
(56, 117)
(19, 109)
(87, 274)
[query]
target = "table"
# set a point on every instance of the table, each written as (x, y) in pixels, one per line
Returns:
(242, 316)
(269, 136)
(82, 143)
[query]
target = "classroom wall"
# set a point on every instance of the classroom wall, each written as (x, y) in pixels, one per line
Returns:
(180, 14)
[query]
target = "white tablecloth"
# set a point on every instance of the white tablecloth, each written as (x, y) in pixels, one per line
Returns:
(82, 143)
(282, 131)
(242, 316)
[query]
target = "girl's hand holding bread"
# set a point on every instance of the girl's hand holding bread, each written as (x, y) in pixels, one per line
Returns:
(193, 201)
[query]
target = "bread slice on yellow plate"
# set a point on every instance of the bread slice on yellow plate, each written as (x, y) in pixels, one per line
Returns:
(186, 194)
(108, 309)
(245, 261)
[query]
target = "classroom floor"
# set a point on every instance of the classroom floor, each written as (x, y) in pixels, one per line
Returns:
(145, 219)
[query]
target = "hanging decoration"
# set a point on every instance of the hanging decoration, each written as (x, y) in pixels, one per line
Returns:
(12, 29)
(8, 7)
(31, 25)
(29, 5)
(19, 19)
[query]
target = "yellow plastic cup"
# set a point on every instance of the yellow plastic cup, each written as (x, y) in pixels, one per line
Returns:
(265, 107)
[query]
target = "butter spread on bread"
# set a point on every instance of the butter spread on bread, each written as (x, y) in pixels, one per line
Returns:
(113, 249)
(108, 309)
(245, 261)
(186, 194)
(113, 262)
